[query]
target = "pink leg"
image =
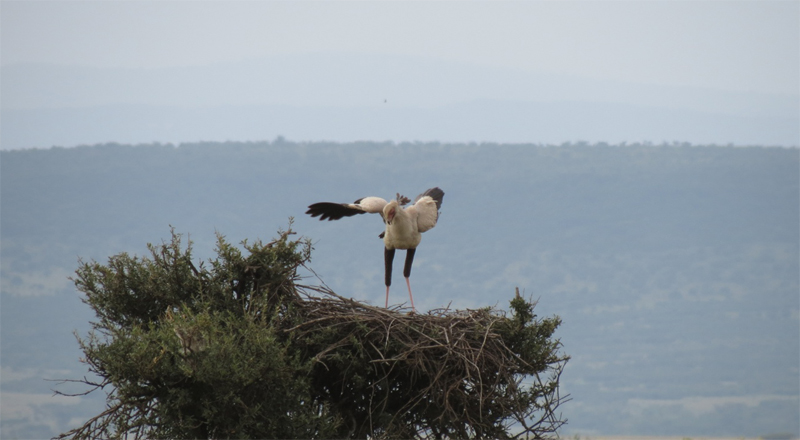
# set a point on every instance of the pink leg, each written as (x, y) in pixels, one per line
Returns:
(387, 297)
(408, 283)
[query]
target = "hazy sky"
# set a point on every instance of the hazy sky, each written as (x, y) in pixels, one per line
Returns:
(746, 45)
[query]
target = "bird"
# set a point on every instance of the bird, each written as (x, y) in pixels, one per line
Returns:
(403, 226)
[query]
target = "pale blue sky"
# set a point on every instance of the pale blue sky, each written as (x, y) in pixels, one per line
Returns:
(738, 46)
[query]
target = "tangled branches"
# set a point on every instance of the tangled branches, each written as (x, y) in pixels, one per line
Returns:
(464, 374)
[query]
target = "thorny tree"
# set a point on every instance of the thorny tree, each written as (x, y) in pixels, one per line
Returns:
(238, 348)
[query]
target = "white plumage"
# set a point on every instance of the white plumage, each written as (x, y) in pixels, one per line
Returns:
(404, 226)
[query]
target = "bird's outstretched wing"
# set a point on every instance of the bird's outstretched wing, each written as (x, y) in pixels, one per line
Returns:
(426, 208)
(335, 211)
(435, 193)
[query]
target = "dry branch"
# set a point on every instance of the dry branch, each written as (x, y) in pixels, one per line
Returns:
(441, 374)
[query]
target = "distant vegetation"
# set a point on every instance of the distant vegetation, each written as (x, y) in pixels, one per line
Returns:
(674, 267)
(124, 191)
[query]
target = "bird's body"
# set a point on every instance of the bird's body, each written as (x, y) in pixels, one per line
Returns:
(404, 226)
(402, 230)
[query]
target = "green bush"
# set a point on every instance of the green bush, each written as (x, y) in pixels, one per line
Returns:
(238, 348)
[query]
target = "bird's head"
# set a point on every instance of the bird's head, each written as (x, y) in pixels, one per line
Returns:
(389, 211)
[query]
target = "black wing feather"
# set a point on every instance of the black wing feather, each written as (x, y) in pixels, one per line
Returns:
(332, 211)
(435, 193)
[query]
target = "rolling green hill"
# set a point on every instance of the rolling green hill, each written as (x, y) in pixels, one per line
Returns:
(674, 267)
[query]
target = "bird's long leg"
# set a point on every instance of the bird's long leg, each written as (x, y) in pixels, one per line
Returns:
(407, 274)
(408, 283)
(388, 257)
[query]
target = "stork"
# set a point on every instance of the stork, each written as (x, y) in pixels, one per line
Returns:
(403, 225)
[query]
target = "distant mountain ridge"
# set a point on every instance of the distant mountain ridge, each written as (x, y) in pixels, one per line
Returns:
(487, 121)
(344, 98)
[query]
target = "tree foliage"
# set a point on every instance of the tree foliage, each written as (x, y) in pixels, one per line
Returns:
(238, 348)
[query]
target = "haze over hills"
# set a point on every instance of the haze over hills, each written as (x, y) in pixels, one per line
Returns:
(675, 268)
(673, 262)
(346, 97)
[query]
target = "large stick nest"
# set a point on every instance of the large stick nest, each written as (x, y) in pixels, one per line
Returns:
(472, 373)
